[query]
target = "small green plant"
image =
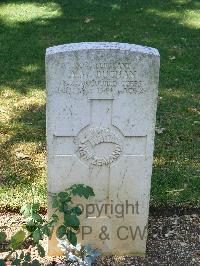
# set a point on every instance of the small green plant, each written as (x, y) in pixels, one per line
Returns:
(62, 202)
(37, 227)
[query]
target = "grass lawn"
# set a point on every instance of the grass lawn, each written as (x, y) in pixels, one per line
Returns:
(28, 27)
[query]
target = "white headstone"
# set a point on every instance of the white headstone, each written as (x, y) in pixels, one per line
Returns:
(101, 111)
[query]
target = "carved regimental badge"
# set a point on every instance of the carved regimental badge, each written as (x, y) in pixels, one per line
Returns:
(89, 141)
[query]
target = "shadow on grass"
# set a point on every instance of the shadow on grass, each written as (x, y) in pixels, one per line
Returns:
(167, 25)
(27, 127)
(23, 42)
(23, 159)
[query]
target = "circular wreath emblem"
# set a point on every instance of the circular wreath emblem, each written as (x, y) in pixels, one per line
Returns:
(96, 136)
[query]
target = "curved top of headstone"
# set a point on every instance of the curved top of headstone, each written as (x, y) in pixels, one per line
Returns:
(102, 46)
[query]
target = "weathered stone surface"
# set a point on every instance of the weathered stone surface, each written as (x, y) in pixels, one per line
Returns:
(101, 109)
